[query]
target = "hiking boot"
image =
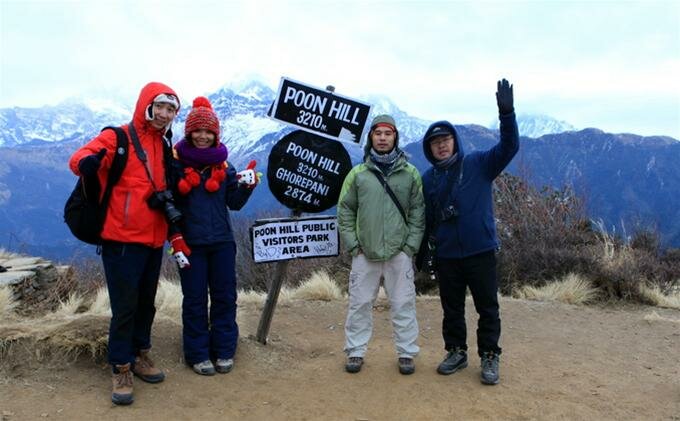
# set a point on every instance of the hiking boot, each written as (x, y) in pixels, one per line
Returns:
(122, 385)
(145, 370)
(224, 365)
(406, 365)
(490, 365)
(204, 368)
(455, 360)
(354, 364)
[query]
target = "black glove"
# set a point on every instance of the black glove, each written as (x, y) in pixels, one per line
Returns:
(89, 165)
(504, 97)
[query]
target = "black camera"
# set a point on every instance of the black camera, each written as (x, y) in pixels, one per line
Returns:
(163, 200)
(449, 212)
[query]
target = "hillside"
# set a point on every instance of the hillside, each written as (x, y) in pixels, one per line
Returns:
(560, 362)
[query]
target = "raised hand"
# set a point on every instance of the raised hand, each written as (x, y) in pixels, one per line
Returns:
(504, 97)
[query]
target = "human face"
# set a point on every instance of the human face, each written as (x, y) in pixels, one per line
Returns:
(442, 147)
(163, 114)
(202, 138)
(382, 139)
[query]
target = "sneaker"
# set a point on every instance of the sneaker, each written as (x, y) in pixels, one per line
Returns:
(490, 365)
(406, 365)
(354, 364)
(224, 365)
(145, 370)
(455, 360)
(204, 368)
(122, 385)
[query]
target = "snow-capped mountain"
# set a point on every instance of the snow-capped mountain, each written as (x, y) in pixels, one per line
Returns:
(35, 145)
(537, 125)
(69, 120)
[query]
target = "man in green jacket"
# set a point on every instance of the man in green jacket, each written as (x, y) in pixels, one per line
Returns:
(382, 231)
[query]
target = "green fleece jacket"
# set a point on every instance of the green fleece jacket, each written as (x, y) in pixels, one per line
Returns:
(369, 220)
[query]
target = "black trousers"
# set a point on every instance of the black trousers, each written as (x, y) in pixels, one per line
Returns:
(477, 272)
(132, 272)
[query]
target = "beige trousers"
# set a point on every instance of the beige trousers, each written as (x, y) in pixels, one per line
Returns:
(364, 282)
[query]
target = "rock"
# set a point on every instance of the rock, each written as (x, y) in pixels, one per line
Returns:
(12, 278)
(31, 279)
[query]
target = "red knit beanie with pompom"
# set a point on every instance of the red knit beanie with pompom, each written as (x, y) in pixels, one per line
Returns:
(202, 116)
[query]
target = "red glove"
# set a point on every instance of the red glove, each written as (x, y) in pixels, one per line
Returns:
(180, 250)
(248, 176)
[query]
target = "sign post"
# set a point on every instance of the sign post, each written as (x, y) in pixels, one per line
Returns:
(272, 298)
(305, 173)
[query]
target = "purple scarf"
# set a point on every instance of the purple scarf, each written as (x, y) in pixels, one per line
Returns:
(199, 158)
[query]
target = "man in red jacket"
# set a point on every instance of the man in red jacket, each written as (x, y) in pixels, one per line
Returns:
(133, 233)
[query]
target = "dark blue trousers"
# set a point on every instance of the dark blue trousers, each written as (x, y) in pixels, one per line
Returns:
(132, 272)
(209, 333)
(477, 272)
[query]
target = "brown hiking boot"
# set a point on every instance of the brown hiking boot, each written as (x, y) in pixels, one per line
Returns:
(122, 385)
(145, 370)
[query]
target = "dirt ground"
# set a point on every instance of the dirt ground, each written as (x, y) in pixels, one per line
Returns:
(559, 362)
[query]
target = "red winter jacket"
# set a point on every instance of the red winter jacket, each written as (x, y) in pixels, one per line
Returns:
(129, 219)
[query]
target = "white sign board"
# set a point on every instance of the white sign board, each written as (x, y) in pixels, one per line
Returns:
(292, 238)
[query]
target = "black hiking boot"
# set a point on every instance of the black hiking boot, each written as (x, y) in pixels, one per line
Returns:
(455, 360)
(490, 366)
(354, 364)
(406, 365)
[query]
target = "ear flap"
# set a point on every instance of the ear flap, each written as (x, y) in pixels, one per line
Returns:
(149, 112)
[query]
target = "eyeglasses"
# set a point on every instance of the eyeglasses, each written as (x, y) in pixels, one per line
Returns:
(441, 140)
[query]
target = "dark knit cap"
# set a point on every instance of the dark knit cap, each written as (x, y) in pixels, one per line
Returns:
(202, 116)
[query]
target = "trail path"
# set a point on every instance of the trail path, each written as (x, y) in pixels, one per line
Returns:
(559, 362)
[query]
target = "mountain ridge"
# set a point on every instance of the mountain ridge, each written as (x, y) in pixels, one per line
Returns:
(625, 178)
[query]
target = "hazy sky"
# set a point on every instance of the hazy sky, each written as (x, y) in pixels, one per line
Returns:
(612, 65)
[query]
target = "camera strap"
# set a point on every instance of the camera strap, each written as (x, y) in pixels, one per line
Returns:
(451, 190)
(141, 154)
(389, 191)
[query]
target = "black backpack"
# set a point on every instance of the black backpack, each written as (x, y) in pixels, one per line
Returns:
(84, 213)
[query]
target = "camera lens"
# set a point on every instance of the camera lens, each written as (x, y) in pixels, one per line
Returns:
(172, 213)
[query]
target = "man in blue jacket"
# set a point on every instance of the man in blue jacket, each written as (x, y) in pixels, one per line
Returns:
(461, 233)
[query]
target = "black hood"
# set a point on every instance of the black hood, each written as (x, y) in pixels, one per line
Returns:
(426, 142)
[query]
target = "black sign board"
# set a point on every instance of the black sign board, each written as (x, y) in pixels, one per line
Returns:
(305, 171)
(320, 111)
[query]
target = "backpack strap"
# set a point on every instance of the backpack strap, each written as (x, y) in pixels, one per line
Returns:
(117, 165)
(389, 191)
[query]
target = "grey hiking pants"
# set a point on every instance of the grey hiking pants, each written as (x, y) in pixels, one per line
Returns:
(364, 282)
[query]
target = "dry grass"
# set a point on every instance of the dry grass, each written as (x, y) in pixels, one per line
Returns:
(80, 326)
(7, 304)
(572, 289)
(656, 297)
(318, 287)
(169, 301)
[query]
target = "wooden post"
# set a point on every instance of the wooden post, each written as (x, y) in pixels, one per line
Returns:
(272, 297)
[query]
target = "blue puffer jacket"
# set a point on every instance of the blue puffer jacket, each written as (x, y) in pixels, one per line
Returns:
(205, 215)
(467, 185)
